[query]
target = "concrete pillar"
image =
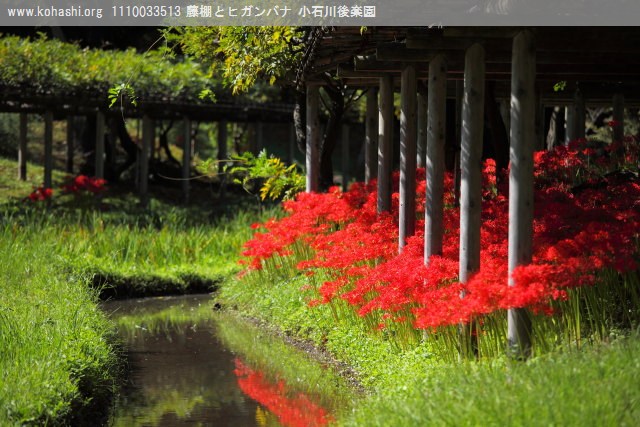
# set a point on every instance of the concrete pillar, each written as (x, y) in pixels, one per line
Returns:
(100, 126)
(371, 136)
(313, 138)
(186, 158)
(385, 143)
(48, 148)
(71, 142)
(523, 136)
(344, 142)
(408, 149)
(422, 129)
(23, 151)
(581, 115)
(618, 117)
(259, 136)
(569, 124)
(471, 161)
(434, 209)
(223, 152)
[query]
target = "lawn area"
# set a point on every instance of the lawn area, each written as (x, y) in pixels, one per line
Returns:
(57, 259)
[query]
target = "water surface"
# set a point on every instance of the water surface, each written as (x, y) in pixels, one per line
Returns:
(181, 372)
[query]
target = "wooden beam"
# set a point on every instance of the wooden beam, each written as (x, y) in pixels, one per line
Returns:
(148, 135)
(618, 117)
(345, 72)
(471, 162)
(48, 148)
(99, 152)
(313, 138)
(408, 148)
(186, 157)
(434, 210)
(523, 134)
(23, 151)
(371, 136)
(385, 144)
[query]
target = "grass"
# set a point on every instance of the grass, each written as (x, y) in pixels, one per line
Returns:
(593, 387)
(56, 347)
(55, 354)
(413, 385)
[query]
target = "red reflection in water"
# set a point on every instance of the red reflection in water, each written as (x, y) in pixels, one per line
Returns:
(296, 411)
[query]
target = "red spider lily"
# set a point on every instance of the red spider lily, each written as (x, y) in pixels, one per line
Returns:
(40, 194)
(83, 183)
(584, 221)
(292, 409)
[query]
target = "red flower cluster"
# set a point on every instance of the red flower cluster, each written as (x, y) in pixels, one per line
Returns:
(585, 220)
(295, 411)
(83, 183)
(40, 194)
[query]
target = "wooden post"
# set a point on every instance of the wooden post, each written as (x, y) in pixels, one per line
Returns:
(186, 158)
(371, 136)
(434, 209)
(313, 138)
(618, 117)
(147, 139)
(48, 148)
(223, 152)
(344, 140)
(99, 168)
(523, 134)
(408, 149)
(385, 143)
(580, 115)
(422, 129)
(23, 151)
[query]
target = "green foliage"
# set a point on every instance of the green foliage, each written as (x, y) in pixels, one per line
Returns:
(275, 179)
(243, 55)
(54, 68)
(54, 351)
(117, 93)
(560, 86)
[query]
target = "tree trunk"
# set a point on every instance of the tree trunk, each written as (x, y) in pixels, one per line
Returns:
(299, 120)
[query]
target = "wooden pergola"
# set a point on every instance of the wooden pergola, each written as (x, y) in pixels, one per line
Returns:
(528, 68)
(149, 110)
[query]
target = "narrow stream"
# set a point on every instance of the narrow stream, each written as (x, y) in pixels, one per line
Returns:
(181, 372)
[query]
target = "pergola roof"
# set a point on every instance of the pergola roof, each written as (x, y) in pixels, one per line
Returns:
(597, 59)
(15, 100)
